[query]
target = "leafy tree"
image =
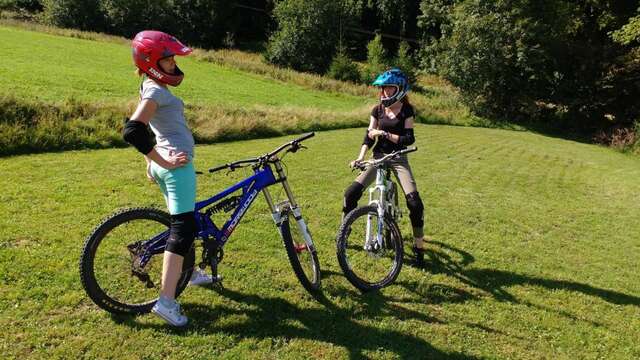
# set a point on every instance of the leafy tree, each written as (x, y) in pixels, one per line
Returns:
(307, 34)
(80, 14)
(521, 59)
(201, 22)
(629, 33)
(17, 5)
(128, 17)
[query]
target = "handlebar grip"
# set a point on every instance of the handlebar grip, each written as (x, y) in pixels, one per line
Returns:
(410, 149)
(305, 137)
(218, 168)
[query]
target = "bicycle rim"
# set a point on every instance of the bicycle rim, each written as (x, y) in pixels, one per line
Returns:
(304, 261)
(366, 264)
(111, 268)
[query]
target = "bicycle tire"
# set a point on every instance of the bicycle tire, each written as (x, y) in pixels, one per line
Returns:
(102, 239)
(353, 266)
(304, 261)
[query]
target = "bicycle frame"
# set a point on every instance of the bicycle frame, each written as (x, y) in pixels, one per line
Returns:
(251, 186)
(378, 197)
(262, 178)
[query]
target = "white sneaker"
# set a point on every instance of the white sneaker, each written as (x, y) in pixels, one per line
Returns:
(200, 278)
(170, 314)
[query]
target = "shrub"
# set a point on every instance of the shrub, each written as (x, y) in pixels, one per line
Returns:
(404, 61)
(343, 68)
(376, 60)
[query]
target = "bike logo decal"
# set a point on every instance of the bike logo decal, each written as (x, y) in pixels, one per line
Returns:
(155, 73)
(243, 209)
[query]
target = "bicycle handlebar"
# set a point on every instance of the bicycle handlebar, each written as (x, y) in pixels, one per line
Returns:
(362, 165)
(293, 144)
(234, 165)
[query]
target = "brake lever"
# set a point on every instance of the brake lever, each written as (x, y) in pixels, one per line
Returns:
(295, 147)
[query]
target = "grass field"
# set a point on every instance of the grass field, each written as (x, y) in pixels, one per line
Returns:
(67, 89)
(53, 68)
(534, 254)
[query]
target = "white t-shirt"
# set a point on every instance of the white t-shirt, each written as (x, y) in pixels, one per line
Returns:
(168, 124)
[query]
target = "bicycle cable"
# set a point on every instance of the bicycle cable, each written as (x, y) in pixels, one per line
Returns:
(375, 142)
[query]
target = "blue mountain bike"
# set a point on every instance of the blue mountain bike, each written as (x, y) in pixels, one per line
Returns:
(121, 262)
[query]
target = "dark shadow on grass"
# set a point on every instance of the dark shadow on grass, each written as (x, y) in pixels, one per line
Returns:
(264, 318)
(272, 317)
(439, 259)
(258, 317)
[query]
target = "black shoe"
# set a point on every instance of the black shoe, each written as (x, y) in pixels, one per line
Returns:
(419, 253)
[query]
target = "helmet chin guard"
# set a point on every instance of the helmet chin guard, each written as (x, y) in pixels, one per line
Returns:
(149, 47)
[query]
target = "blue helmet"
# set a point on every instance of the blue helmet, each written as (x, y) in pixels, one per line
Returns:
(393, 77)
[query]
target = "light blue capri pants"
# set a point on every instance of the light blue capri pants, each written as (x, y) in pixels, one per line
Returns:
(178, 187)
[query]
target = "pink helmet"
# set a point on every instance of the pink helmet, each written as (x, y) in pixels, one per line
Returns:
(149, 47)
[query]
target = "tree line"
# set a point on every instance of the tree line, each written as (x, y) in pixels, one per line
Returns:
(570, 64)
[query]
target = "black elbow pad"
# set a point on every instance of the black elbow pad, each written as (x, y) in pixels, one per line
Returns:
(367, 140)
(407, 138)
(136, 134)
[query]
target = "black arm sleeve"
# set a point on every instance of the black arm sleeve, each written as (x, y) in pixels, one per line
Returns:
(407, 138)
(136, 134)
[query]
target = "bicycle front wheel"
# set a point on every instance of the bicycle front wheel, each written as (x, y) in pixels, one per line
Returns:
(113, 271)
(303, 259)
(366, 264)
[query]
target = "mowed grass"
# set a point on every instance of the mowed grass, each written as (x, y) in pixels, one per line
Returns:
(53, 68)
(67, 89)
(533, 254)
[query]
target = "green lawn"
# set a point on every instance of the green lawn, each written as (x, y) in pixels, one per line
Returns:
(534, 254)
(65, 89)
(52, 68)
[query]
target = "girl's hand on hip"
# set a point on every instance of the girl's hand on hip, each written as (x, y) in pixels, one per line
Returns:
(149, 176)
(177, 160)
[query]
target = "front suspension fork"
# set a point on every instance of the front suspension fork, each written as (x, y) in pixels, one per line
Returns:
(280, 211)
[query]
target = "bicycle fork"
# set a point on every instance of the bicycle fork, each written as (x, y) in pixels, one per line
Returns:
(279, 211)
(380, 188)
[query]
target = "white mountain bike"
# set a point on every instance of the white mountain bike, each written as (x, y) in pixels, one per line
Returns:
(369, 243)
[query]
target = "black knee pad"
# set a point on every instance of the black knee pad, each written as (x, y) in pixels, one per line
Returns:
(351, 196)
(182, 233)
(416, 209)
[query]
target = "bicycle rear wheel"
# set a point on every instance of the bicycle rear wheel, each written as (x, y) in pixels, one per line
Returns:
(365, 266)
(304, 260)
(110, 265)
